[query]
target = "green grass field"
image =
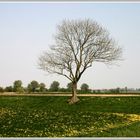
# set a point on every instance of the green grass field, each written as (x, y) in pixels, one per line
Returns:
(53, 117)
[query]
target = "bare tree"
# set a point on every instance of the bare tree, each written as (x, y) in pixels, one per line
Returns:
(78, 43)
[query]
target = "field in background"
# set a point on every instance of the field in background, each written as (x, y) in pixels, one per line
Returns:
(52, 117)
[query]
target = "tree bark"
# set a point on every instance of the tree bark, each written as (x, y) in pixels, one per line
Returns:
(74, 98)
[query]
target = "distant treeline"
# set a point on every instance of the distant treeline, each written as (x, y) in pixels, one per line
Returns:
(36, 87)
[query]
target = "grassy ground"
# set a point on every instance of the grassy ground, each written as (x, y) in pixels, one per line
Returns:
(53, 117)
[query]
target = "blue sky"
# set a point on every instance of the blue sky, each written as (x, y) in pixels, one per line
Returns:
(27, 29)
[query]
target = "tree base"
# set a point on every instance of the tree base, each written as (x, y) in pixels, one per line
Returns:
(73, 100)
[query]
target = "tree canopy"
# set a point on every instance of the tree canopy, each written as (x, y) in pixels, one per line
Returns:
(79, 43)
(54, 86)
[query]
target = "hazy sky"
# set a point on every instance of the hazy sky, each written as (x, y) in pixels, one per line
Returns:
(26, 29)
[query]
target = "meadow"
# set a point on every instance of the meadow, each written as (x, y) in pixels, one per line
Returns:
(22, 116)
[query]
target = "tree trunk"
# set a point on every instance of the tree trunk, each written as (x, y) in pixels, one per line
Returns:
(74, 97)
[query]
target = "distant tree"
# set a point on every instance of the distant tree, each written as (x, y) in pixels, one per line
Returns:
(85, 87)
(93, 91)
(17, 87)
(111, 90)
(54, 86)
(33, 86)
(8, 89)
(25, 89)
(29, 89)
(1, 90)
(98, 91)
(118, 90)
(69, 86)
(63, 90)
(42, 87)
(126, 89)
(79, 43)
